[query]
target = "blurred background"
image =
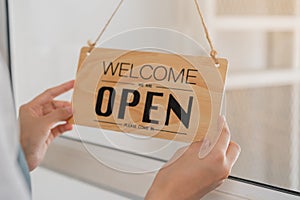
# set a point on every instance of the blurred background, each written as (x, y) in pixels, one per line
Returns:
(260, 38)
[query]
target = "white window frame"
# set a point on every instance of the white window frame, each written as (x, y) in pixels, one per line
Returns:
(82, 166)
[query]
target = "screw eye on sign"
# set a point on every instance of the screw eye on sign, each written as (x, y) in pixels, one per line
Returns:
(168, 96)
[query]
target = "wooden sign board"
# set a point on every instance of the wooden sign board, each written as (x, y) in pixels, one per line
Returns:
(168, 96)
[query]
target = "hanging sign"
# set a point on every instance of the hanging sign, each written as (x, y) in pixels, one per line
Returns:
(174, 97)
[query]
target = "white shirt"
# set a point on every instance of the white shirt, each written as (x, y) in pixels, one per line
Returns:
(12, 183)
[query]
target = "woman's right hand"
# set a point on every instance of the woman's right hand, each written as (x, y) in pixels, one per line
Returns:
(186, 176)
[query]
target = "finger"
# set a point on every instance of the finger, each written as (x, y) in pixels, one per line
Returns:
(58, 115)
(221, 121)
(204, 149)
(62, 104)
(233, 153)
(49, 107)
(60, 129)
(51, 93)
(224, 139)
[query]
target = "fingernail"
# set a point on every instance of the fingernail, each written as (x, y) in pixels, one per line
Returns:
(224, 119)
(69, 110)
(206, 144)
(240, 149)
(221, 123)
(226, 126)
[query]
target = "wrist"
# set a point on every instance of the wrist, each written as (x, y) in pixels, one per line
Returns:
(30, 155)
(157, 194)
(160, 190)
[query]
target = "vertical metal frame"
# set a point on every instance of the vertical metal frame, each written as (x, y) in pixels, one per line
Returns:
(5, 35)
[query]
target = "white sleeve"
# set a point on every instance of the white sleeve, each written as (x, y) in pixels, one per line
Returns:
(12, 183)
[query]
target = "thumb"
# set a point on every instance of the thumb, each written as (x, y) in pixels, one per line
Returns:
(58, 115)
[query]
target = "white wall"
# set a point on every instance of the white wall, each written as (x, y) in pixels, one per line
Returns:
(47, 34)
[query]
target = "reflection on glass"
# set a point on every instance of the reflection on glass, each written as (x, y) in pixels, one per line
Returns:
(260, 121)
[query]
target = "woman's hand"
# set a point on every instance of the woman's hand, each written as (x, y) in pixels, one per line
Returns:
(39, 122)
(187, 176)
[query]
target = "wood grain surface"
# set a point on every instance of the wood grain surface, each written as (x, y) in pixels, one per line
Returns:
(187, 80)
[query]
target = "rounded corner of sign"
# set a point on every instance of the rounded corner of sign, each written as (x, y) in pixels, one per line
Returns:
(223, 61)
(84, 49)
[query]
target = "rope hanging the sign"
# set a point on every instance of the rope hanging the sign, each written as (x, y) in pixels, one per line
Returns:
(93, 44)
(213, 52)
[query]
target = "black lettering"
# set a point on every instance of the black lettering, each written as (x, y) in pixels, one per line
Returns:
(149, 107)
(155, 73)
(181, 74)
(190, 76)
(123, 69)
(110, 104)
(110, 66)
(131, 71)
(179, 112)
(141, 72)
(124, 103)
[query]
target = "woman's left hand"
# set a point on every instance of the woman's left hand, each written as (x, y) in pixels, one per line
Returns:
(39, 122)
